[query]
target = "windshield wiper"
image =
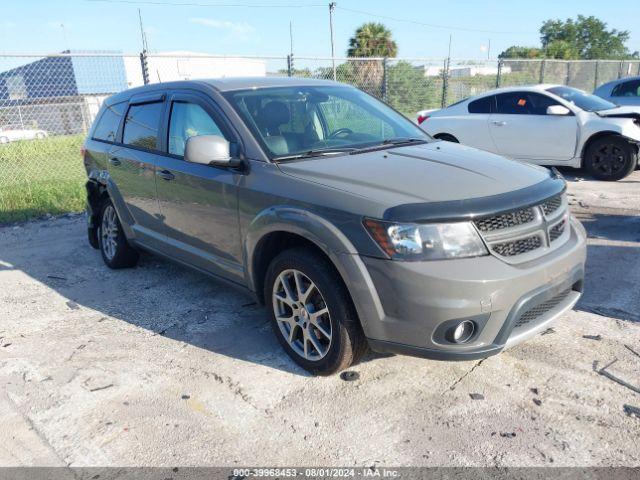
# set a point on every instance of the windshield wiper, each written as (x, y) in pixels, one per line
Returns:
(320, 152)
(389, 142)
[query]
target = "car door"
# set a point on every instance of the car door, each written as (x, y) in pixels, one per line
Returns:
(626, 93)
(132, 166)
(199, 203)
(521, 128)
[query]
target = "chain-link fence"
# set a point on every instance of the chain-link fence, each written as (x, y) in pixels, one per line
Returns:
(48, 102)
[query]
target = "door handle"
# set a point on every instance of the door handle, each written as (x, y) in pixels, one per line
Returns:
(166, 175)
(115, 161)
(499, 123)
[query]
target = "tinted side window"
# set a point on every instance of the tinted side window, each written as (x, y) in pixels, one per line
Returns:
(141, 125)
(482, 105)
(627, 89)
(188, 120)
(107, 126)
(523, 103)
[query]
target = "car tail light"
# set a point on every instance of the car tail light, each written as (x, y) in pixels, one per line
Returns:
(82, 151)
(422, 118)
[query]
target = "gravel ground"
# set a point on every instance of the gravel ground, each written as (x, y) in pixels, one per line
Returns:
(162, 366)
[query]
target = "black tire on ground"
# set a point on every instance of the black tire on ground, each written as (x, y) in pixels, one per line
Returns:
(347, 344)
(116, 251)
(610, 158)
(446, 137)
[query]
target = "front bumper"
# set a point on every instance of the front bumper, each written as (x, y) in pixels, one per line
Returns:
(414, 302)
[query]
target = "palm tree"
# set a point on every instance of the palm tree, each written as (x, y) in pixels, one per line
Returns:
(371, 40)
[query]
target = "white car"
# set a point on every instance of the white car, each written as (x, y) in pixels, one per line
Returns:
(546, 125)
(11, 134)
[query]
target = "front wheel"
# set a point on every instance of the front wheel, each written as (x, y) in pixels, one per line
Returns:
(610, 158)
(312, 313)
(116, 251)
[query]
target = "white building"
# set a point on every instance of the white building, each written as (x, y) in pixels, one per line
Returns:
(465, 70)
(170, 66)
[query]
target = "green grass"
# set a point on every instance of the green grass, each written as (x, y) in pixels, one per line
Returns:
(39, 177)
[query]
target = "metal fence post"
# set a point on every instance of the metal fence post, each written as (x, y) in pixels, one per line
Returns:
(568, 79)
(385, 85)
(445, 82)
(145, 67)
(620, 69)
(499, 72)
(543, 64)
(596, 75)
(290, 65)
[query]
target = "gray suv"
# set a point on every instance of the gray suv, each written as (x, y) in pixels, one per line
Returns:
(354, 227)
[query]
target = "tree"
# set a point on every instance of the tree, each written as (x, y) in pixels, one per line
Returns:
(584, 38)
(521, 52)
(409, 89)
(372, 40)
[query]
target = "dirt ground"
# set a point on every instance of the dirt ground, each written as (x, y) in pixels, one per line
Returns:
(162, 366)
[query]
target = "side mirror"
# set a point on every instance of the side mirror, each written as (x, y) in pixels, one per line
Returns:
(209, 150)
(558, 110)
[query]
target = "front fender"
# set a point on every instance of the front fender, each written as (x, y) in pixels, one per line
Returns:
(326, 236)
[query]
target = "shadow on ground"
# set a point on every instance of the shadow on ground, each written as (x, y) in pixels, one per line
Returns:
(167, 299)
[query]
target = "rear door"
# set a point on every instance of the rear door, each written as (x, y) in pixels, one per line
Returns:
(199, 203)
(521, 128)
(132, 166)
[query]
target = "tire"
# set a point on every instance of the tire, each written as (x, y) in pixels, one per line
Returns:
(445, 137)
(610, 158)
(116, 251)
(4, 140)
(334, 340)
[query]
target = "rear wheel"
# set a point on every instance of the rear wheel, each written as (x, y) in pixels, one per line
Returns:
(610, 158)
(445, 137)
(312, 313)
(116, 251)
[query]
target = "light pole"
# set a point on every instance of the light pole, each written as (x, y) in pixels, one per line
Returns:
(332, 7)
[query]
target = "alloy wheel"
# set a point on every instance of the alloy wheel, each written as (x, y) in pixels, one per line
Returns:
(109, 232)
(302, 314)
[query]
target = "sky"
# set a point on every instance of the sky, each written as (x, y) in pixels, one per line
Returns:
(260, 27)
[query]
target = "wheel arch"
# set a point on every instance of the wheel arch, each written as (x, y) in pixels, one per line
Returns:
(281, 227)
(443, 135)
(603, 134)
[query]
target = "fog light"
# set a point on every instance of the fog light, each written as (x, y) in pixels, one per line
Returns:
(463, 331)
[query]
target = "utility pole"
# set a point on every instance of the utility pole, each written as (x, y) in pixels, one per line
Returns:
(332, 7)
(142, 34)
(64, 36)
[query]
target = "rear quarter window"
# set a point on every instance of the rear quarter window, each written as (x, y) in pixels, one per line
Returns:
(109, 122)
(482, 105)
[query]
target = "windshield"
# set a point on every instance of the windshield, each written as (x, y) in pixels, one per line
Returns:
(310, 121)
(585, 101)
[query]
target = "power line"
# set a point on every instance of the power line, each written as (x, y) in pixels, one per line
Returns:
(431, 25)
(201, 4)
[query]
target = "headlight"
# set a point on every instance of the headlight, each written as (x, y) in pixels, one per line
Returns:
(434, 241)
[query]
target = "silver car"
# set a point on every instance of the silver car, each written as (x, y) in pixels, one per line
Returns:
(624, 91)
(352, 226)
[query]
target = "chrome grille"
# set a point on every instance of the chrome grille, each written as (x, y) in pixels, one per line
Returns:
(552, 205)
(557, 231)
(527, 233)
(517, 247)
(539, 310)
(505, 220)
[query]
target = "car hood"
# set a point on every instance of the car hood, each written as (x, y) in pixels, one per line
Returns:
(433, 172)
(629, 111)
